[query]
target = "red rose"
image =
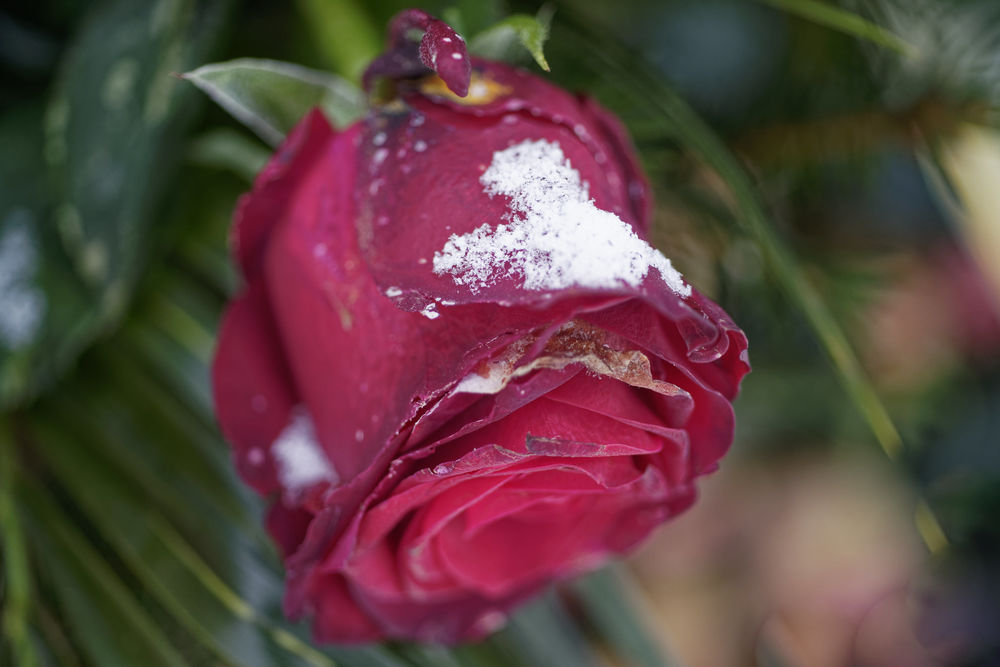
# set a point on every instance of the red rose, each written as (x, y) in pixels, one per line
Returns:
(457, 367)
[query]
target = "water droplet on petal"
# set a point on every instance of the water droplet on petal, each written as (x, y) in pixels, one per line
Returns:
(255, 456)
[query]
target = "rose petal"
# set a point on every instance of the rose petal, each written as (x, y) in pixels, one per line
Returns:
(337, 616)
(275, 186)
(252, 389)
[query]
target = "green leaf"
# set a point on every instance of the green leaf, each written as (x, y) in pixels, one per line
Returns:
(17, 601)
(107, 621)
(834, 17)
(530, 32)
(270, 97)
(80, 200)
(112, 131)
(49, 314)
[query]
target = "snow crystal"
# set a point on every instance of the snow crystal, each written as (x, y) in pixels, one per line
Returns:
(555, 236)
(300, 458)
(430, 312)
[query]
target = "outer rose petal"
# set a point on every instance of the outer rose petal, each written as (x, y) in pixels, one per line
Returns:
(251, 385)
(335, 324)
(274, 187)
(337, 616)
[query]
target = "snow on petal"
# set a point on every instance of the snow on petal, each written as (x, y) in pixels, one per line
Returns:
(555, 236)
(301, 461)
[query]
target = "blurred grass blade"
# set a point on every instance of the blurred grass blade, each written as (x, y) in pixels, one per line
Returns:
(541, 633)
(343, 33)
(55, 641)
(173, 572)
(531, 32)
(225, 148)
(605, 599)
(839, 19)
(470, 17)
(16, 583)
(970, 159)
(107, 621)
(270, 97)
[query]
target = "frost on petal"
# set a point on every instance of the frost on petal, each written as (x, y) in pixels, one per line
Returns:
(300, 459)
(555, 236)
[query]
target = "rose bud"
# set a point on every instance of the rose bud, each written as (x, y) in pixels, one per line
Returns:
(457, 368)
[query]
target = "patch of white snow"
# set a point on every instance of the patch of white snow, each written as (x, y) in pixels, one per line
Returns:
(301, 461)
(555, 236)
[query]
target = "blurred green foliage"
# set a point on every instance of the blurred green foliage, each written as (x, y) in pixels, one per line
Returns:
(794, 151)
